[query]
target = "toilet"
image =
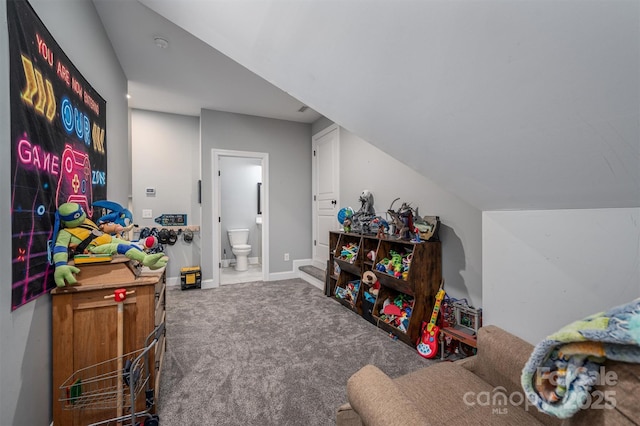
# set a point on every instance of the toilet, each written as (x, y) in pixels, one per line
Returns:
(238, 239)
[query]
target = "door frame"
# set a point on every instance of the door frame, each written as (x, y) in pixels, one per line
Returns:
(314, 179)
(217, 211)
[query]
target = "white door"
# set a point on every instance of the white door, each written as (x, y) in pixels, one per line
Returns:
(325, 191)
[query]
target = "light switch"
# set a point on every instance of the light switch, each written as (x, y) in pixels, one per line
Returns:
(147, 213)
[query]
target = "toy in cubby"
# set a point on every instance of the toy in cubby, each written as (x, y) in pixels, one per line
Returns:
(370, 292)
(349, 252)
(397, 311)
(372, 286)
(336, 269)
(349, 293)
(371, 255)
(398, 265)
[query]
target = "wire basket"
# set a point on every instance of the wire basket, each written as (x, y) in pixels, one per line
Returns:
(96, 386)
(114, 384)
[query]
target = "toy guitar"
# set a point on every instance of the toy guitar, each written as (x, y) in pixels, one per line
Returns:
(428, 343)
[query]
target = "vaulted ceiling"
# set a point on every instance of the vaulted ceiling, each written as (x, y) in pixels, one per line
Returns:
(185, 74)
(508, 104)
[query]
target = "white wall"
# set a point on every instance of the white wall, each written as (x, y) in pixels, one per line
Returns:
(239, 201)
(166, 156)
(363, 166)
(480, 95)
(544, 269)
(25, 334)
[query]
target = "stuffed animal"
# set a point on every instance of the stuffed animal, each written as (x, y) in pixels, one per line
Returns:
(74, 230)
(117, 222)
(147, 243)
(112, 229)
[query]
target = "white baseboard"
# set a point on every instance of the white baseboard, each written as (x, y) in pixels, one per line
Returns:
(312, 280)
(205, 284)
(306, 277)
(297, 273)
(289, 275)
(274, 276)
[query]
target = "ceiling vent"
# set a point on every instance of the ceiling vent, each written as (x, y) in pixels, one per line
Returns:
(303, 108)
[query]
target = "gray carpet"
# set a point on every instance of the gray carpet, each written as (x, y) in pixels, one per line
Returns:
(274, 353)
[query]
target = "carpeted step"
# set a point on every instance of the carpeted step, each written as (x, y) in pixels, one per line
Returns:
(316, 273)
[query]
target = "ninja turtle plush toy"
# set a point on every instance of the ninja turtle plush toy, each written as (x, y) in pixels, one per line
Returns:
(74, 230)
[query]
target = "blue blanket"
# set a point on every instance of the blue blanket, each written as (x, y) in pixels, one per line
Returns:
(565, 366)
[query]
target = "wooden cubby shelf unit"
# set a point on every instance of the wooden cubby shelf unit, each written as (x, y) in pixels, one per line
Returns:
(422, 280)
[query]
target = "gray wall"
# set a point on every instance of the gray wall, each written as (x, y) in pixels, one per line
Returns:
(239, 201)
(25, 351)
(363, 166)
(480, 96)
(166, 156)
(320, 124)
(289, 148)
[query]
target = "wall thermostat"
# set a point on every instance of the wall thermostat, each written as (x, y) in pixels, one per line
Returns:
(151, 192)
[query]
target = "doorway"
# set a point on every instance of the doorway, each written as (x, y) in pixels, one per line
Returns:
(326, 191)
(241, 199)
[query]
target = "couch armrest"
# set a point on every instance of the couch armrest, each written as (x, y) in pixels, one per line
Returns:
(469, 363)
(346, 416)
(378, 401)
(501, 357)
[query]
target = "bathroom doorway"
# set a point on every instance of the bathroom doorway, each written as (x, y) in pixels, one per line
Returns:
(241, 205)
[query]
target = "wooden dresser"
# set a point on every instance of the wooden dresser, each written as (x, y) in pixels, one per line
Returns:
(84, 327)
